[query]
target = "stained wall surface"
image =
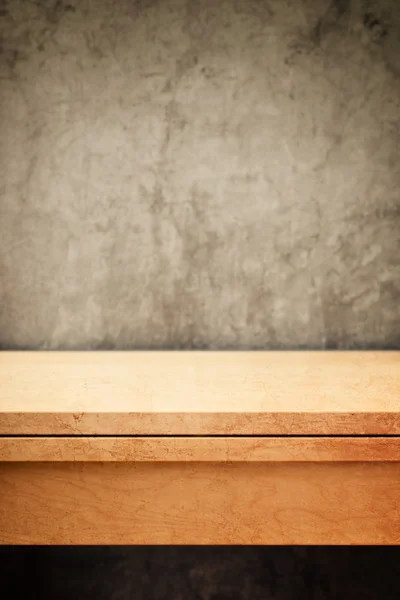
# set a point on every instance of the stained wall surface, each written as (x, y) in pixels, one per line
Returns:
(199, 174)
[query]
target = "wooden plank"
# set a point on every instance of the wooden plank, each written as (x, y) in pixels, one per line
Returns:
(200, 503)
(203, 449)
(184, 393)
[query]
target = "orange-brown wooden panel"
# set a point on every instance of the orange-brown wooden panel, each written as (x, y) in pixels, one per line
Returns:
(200, 503)
(200, 449)
(245, 423)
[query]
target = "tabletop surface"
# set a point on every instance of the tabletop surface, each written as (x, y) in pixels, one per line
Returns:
(199, 392)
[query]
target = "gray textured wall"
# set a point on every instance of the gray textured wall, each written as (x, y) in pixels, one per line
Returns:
(200, 174)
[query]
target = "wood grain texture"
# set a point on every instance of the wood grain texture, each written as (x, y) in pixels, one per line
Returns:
(180, 449)
(250, 393)
(200, 503)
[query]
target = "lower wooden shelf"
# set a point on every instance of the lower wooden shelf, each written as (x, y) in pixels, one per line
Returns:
(200, 503)
(200, 449)
(200, 490)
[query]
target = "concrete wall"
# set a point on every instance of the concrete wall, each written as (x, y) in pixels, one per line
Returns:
(199, 173)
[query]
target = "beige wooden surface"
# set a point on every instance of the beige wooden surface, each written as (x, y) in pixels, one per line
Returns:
(200, 503)
(180, 449)
(78, 393)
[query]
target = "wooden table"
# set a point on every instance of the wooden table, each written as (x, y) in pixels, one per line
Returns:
(200, 448)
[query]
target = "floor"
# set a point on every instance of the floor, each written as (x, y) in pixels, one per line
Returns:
(201, 573)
